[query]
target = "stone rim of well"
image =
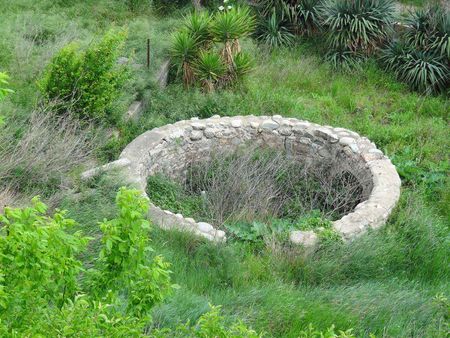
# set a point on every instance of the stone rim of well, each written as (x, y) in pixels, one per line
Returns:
(369, 214)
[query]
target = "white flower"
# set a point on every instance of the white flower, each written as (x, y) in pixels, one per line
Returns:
(230, 7)
(225, 1)
(221, 8)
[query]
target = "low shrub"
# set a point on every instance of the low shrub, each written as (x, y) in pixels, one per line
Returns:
(86, 83)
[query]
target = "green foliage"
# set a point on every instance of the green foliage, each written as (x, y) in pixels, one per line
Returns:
(272, 32)
(329, 333)
(429, 29)
(421, 57)
(194, 54)
(166, 6)
(169, 195)
(232, 24)
(4, 90)
(359, 25)
(304, 16)
(38, 261)
(87, 83)
(210, 324)
(198, 27)
(4, 82)
(122, 262)
(209, 68)
(135, 5)
(242, 65)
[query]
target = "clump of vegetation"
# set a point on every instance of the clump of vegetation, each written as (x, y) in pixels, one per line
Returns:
(281, 20)
(421, 56)
(258, 193)
(207, 51)
(40, 275)
(356, 28)
(4, 89)
(86, 83)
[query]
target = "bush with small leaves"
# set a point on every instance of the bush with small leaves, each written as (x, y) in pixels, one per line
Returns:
(86, 83)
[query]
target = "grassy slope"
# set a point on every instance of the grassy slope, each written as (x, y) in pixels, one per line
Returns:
(383, 283)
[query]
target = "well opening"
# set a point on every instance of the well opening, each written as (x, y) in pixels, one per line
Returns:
(357, 182)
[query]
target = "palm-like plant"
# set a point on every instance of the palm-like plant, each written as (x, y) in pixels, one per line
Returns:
(273, 32)
(424, 71)
(229, 26)
(209, 68)
(357, 25)
(242, 65)
(429, 29)
(304, 16)
(183, 51)
(198, 26)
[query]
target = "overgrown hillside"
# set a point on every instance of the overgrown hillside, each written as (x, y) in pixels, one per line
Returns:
(74, 68)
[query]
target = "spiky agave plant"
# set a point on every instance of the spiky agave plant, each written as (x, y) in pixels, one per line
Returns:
(183, 51)
(357, 25)
(424, 71)
(198, 26)
(229, 26)
(272, 32)
(209, 68)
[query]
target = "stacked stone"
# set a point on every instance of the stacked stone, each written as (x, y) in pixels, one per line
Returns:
(171, 148)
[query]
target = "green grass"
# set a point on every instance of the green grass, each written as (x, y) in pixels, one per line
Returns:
(383, 283)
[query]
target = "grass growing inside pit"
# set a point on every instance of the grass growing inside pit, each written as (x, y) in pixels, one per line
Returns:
(257, 193)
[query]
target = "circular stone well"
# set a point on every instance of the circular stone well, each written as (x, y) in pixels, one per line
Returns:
(171, 148)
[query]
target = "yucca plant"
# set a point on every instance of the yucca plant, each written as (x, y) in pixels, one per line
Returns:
(304, 16)
(272, 32)
(424, 71)
(229, 26)
(198, 26)
(429, 29)
(209, 68)
(242, 65)
(183, 51)
(357, 25)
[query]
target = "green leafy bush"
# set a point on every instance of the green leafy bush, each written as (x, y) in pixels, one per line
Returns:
(40, 272)
(86, 83)
(4, 90)
(37, 261)
(210, 324)
(166, 6)
(272, 32)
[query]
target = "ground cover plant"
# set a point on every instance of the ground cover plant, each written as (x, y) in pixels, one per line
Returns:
(389, 283)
